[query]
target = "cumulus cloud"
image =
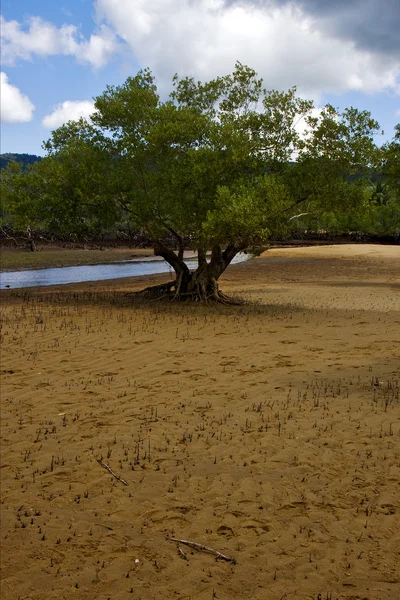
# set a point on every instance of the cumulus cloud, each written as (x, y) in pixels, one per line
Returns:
(371, 24)
(15, 106)
(42, 38)
(319, 45)
(285, 42)
(70, 110)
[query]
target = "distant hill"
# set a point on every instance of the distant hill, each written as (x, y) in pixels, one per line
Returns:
(26, 159)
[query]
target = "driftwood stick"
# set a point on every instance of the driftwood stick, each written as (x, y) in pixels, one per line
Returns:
(109, 469)
(202, 548)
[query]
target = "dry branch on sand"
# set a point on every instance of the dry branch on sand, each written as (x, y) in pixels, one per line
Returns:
(202, 548)
(109, 469)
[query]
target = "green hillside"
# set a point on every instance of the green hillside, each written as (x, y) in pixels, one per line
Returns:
(26, 159)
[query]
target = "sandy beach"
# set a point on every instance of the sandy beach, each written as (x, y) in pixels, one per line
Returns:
(268, 433)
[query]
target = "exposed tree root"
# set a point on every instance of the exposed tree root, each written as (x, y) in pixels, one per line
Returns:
(161, 290)
(199, 285)
(174, 291)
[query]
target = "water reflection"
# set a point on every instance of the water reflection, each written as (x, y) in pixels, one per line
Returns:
(63, 275)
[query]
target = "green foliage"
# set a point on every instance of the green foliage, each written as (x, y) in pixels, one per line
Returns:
(61, 194)
(366, 214)
(247, 212)
(346, 139)
(381, 194)
(391, 163)
(219, 164)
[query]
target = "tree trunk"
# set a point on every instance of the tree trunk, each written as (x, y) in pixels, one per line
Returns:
(30, 241)
(200, 284)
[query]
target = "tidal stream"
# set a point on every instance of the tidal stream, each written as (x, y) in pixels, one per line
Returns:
(117, 270)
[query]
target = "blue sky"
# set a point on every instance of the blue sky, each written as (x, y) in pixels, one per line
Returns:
(57, 56)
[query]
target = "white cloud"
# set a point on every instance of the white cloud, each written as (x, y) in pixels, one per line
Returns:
(398, 113)
(15, 106)
(205, 38)
(42, 38)
(100, 47)
(70, 110)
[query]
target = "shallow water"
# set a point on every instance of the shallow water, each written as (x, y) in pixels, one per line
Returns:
(63, 275)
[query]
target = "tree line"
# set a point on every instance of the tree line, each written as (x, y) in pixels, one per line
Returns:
(221, 166)
(25, 159)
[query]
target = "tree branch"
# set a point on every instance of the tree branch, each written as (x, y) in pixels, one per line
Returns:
(172, 259)
(298, 202)
(201, 256)
(179, 238)
(298, 216)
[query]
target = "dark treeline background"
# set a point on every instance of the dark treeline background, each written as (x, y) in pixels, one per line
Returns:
(25, 159)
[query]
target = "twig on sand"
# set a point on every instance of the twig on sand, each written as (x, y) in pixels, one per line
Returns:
(109, 469)
(182, 553)
(202, 548)
(106, 526)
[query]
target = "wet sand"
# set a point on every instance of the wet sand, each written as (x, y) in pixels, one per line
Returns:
(268, 432)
